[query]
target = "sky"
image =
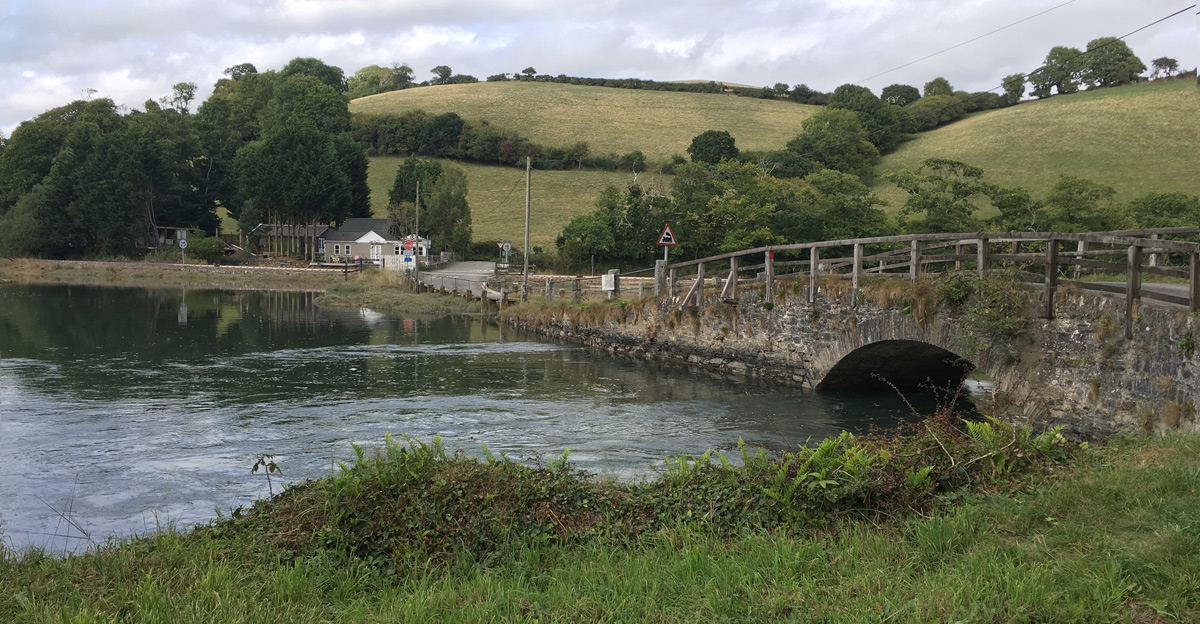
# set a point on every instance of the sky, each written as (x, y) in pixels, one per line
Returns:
(54, 51)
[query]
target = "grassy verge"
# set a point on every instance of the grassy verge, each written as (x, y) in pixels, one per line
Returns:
(389, 293)
(381, 291)
(147, 274)
(1003, 526)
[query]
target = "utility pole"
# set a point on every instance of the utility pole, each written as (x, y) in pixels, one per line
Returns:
(417, 242)
(525, 272)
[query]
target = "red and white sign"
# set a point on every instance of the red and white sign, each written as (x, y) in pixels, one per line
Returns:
(408, 243)
(667, 238)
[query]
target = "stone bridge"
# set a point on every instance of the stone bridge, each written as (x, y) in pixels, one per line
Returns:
(1095, 363)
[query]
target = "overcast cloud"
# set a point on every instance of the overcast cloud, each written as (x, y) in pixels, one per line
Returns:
(134, 50)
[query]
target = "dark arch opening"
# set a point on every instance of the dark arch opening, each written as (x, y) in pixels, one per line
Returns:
(908, 365)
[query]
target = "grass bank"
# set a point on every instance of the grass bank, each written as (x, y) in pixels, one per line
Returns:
(149, 274)
(950, 522)
(388, 292)
(381, 291)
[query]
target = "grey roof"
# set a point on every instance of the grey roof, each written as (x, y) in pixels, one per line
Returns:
(353, 229)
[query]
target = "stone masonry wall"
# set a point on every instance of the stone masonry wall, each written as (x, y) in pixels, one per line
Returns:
(1077, 370)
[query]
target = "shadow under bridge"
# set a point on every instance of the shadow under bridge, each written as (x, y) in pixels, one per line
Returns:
(891, 365)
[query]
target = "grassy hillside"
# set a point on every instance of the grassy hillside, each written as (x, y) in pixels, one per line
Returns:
(497, 197)
(658, 123)
(1137, 139)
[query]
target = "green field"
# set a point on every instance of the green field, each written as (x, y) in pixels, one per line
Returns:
(497, 197)
(658, 123)
(1137, 139)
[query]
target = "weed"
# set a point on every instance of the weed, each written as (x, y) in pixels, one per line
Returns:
(1187, 345)
(1175, 413)
(768, 306)
(1106, 328)
(1146, 418)
(267, 463)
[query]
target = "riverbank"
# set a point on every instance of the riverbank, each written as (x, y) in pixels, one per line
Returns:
(379, 290)
(948, 523)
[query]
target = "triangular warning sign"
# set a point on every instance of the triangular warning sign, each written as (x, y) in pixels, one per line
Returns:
(667, 238)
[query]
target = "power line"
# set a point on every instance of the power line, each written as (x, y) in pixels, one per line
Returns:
(959, 45)
(1025, 76)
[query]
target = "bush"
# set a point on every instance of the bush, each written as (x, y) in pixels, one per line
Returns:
(206, 249)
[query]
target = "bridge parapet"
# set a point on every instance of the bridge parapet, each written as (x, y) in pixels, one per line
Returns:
(1044, 258)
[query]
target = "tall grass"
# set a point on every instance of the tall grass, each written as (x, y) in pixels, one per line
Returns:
(1111, 537)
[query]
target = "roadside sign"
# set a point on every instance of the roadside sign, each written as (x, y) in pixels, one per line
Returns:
(667, 238)
(507, 247)
(500, 246)
(408, 243)
(183, 243)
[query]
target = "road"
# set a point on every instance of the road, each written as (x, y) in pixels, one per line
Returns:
(461, 276)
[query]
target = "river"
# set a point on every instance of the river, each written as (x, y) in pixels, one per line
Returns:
(125, 410)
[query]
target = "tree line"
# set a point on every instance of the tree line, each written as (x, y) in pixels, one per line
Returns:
(91, 178)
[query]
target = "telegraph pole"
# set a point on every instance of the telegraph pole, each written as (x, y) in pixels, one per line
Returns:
(417, 242)
(525, 272)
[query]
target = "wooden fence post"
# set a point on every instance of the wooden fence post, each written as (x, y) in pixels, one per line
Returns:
(660, 277)
(914, 269)
(1133, 285)
(981, 256)
(1154, 254)
(700, 285)
(1051, 277)
(814, 261)
(671, 285)
(733, 277)
(549, 289)
(769, 271)
(958, 264)
(1194, 283)
(856, 273)
(1080, 252)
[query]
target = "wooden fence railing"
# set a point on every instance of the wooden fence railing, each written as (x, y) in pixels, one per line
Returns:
(1062, 256)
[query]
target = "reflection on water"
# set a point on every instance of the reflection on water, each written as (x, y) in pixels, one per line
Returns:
(121, 409)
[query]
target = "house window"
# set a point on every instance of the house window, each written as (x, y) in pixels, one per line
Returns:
(337, 250)
(397, 250)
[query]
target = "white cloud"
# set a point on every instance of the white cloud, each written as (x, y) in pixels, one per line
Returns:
(133, 50)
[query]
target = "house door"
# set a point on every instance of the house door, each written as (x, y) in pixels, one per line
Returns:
(376, 252)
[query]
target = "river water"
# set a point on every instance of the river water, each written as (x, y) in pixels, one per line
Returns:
(123, 410)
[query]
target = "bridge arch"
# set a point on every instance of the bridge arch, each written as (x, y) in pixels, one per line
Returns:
(888, 365)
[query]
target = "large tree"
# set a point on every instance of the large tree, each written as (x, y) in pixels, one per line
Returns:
(448, 214)
(938, 86)
(885, 123)
(1079, 205)
(1014, 88)
(712, 146)
(835, 139)
(1164, 67)
(940, 194)
(900, 94)
(228, 120)
(328, 74)
(413, 173)
(1110, 62)
(306, 169)
(1061, 72)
